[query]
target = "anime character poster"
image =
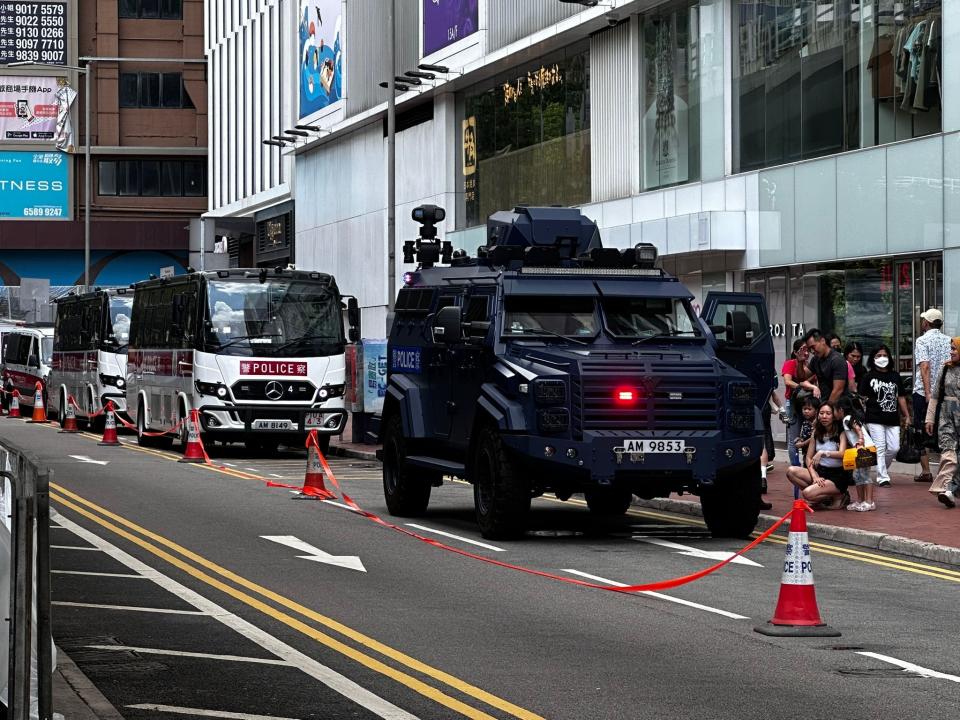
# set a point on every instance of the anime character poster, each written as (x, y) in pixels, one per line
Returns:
(447, 21)
(321, 55)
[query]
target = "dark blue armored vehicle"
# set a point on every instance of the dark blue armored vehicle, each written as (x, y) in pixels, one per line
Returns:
(549, 363)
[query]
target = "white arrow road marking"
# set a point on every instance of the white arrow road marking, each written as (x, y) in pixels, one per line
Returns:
(716, 555)
(910, 667)
(660, 596)
(350, 562)
(85, 459)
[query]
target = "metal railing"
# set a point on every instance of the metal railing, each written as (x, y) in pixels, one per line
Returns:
(26, 492)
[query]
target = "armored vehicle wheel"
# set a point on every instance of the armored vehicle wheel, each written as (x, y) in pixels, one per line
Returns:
(608, 502)
(731, 508)
(501, 496)
(407, 493)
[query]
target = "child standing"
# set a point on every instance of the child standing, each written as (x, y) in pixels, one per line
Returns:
(808, 415)
(852, 419)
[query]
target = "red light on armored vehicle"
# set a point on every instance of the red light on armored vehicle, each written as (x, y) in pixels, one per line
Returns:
(625, 395)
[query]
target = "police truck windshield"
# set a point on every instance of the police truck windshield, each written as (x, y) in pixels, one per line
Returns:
(573, 317)
(278, 317)
(118, 333)
(640, 317)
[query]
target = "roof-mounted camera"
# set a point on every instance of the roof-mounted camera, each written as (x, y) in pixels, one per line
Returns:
(426, 249)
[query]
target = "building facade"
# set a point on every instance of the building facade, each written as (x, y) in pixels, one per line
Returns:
(806, 151)
(148, 129)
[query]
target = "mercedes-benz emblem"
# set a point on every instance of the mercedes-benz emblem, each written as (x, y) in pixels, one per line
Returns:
(274, 390)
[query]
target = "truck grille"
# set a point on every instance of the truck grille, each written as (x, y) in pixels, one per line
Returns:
(671, 396)
(274, 390)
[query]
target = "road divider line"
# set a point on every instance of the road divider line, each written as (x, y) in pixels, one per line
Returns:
(660, 596)
(129, 576)
(910, 667)
(174, 710)
(371, 663)
(445, 534)
(73, 547)
(131, 608)
(182, 653)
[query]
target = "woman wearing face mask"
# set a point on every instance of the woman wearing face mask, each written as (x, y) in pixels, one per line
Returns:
(946, 396)
(886, 404)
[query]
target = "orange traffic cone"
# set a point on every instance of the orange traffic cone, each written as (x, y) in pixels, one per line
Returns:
(14, 405)
(313, 478)
(194, 452)
(69, 418)
(39, 411)
(797, 614)
(109, 426)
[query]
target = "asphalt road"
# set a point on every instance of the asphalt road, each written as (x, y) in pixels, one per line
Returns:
(172, 600)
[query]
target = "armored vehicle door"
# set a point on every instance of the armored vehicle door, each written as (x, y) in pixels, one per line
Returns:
(740, 325)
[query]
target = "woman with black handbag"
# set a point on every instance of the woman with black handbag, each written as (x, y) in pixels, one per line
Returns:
(943, 416)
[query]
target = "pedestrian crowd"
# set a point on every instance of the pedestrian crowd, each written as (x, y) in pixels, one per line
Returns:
(848, 417)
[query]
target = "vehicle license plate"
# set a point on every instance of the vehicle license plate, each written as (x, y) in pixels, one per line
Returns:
(313, 420)
(272, 425)
(653, 445)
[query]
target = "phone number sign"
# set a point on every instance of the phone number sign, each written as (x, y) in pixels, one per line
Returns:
(33, 31)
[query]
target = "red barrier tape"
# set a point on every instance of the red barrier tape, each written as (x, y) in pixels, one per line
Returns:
(130, 426)
(648, 587)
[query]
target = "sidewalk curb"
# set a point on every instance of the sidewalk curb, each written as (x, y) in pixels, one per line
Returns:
(919, 549)
(75, 696)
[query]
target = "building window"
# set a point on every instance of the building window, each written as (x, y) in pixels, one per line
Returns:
(525, 137)
(151, 9)
(670, 113)
(153, 178)
(153, 90)
(813, 79)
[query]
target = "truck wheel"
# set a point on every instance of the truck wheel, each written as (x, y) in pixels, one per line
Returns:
(608, 502)
(732, 507)
(500, 495)
(407, 495)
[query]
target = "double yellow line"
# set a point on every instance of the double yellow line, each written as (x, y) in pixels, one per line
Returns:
(216, 576)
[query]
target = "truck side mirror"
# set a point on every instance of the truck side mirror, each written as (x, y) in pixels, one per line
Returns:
(447, 326)
(353, 313)
(353, 335)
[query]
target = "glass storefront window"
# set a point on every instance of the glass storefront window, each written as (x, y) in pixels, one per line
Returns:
(818, 78)
(671, 91)
(526, 137)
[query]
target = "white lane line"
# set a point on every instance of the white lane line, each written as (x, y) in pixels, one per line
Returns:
(910, 667)
(424, 528)
(274, 475)
(661, 596)
(98, 574)
(332, 679)
(181, 653)
(134, 608)
(204, 713)
(72, 547)
(229, 464)
(341, 505)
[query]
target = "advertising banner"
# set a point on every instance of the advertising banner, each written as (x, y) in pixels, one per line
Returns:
(321, 55)
(447, 21)
(374, 375)
(34, 185)
(28, 108)
(33, 31)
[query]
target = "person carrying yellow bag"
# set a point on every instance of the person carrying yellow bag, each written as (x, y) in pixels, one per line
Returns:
(861, 454)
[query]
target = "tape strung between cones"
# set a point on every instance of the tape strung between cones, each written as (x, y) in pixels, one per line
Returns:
(628, 590)
(797, 614)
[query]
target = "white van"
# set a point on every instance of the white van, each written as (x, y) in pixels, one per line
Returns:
(90, 352)
(27, 359)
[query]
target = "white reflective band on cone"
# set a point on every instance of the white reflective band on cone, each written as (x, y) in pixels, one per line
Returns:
(797, 565)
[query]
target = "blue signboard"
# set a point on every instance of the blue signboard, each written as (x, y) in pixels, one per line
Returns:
(33, 185)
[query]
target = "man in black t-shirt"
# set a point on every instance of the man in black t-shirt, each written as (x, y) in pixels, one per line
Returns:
(828, 365)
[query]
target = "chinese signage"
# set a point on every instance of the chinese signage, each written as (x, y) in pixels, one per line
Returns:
(33, 185)
(374, 375)
(447, 21)
(533, 82)
(321, 55)
(28, 109)
(33, 31)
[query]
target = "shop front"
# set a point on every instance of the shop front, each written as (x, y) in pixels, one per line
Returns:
(872, 302)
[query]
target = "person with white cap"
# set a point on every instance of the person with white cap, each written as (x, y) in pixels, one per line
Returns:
(931, 352)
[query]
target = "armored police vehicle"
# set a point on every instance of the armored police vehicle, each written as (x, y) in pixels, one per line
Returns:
(549, 363)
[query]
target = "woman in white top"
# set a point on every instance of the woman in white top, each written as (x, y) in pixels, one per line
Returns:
(824, 479)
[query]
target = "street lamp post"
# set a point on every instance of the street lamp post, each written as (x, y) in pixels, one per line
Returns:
(391, 160)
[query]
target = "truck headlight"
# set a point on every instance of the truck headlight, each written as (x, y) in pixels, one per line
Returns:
(330, 391)
(740, 420)
(114, 380)
(213, 389)
(553, 420)
(742, 392)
